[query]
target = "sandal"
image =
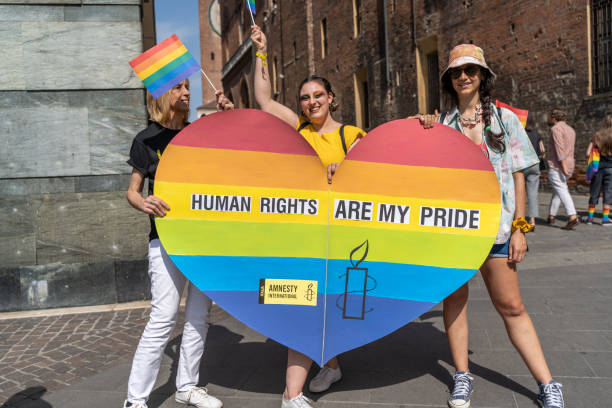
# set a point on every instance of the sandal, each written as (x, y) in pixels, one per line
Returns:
(551, 220)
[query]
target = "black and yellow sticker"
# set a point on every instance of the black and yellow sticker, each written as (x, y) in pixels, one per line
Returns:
(288, 292)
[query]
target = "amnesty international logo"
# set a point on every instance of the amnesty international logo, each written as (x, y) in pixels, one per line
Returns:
(288, 292)
(310, 293)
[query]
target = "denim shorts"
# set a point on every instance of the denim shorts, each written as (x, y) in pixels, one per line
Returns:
(602, 180)
(500, 250)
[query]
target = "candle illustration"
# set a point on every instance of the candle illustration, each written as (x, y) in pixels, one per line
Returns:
(355, 287)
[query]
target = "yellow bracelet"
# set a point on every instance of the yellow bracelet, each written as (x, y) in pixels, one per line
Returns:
(522, 224)
(263, 57)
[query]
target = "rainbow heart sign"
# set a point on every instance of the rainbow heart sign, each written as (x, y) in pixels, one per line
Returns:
(409, 218)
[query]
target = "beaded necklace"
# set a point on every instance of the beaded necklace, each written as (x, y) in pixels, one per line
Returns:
(470, 123)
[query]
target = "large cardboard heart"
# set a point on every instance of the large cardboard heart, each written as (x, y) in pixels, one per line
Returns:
(409, 218)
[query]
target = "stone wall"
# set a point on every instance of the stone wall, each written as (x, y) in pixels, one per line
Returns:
(70, 107)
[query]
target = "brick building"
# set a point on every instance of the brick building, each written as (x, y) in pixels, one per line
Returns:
(210, 52)
(383, 57)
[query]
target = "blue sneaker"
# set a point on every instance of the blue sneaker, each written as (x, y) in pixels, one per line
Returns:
(460, 397)
(550, 395)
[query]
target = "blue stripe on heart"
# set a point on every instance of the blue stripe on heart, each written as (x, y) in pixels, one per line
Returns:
(401, 281)
(291, 325)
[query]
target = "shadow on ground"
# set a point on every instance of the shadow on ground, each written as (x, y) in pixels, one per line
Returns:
(415, 350)
(28, 398)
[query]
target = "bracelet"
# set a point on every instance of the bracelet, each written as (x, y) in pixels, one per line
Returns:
(263, 57)
(521, 224)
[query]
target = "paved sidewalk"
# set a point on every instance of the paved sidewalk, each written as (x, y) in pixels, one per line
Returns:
(566, 283)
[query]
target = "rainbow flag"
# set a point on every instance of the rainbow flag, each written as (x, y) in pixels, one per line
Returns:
(165, 65)
(521, 113)
(592, 164)
(251, 5)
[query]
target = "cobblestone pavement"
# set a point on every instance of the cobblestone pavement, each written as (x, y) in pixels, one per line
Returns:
(58, 351)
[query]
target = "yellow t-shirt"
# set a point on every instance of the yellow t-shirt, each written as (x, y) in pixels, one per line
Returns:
(329, 145)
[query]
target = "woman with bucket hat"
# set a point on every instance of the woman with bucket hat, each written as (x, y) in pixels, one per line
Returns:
(467, 83)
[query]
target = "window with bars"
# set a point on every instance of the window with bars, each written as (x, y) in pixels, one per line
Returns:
(601, 26)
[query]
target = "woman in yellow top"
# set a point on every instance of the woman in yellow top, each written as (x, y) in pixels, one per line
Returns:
(331, 140)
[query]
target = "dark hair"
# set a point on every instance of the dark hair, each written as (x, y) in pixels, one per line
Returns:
(559, 115)
(495, 140)
(531, 122)
(333, 106)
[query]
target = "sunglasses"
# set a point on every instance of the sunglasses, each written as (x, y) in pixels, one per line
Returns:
(470, 70)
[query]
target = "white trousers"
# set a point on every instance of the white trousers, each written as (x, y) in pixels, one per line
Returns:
(167, 284)
(561, 194)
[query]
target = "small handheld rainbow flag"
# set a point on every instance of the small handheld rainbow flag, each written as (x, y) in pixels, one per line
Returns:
(521, 113)
(165, 65)
(592, 164)
(251, 6)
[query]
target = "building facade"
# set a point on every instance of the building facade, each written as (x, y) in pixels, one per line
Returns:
(70, 107)
(210, 52)
(383, 57)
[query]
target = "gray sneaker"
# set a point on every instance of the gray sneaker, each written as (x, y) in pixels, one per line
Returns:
(550, 395)
(298, 402)
(324, 379)
(460, 397)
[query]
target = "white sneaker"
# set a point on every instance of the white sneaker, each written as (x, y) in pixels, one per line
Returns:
(128, 404)
(197, 397)
(298, 402)
(326, 377)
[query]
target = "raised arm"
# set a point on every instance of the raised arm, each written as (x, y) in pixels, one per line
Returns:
(262, 87)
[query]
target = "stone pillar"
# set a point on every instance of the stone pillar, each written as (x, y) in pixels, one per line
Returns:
(70, 107)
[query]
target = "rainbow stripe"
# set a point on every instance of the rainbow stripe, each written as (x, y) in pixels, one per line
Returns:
(411, 267)
(520, 113)
(251, 5)
(165, 65)
(593, 163)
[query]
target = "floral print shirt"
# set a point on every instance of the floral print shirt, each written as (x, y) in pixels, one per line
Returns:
(519, 155)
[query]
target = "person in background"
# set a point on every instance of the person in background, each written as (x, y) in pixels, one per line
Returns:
(603, 174)
(168, 116)
(561, 167)
(532, 173)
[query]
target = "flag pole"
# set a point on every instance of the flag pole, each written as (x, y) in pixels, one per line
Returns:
(250, 12)
(208, 79)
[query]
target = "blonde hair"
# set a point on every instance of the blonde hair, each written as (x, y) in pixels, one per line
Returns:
(604, 141)
(159, 109)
